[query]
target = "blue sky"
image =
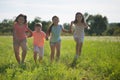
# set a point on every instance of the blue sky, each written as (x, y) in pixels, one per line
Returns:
(64, 9)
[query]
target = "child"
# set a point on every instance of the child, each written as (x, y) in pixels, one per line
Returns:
(19, 37)
(80, 24)
(54, 32)
(38, 41)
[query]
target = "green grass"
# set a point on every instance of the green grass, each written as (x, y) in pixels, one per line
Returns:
(100, 60)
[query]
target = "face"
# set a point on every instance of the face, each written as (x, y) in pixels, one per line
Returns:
(79, 17)
(55, 20)
(37, 28)
(21, 20)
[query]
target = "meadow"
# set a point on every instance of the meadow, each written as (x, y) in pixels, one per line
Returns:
(100, 60)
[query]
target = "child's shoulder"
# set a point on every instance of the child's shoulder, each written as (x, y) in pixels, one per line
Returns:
(43, 32)
(15, 23)
(60, 25)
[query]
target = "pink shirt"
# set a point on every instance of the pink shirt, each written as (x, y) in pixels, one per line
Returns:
(39, 38)
(19, 31)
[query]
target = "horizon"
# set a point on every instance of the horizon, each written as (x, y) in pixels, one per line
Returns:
(64, 9)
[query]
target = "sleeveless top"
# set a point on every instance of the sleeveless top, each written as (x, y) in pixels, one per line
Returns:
(79, 31)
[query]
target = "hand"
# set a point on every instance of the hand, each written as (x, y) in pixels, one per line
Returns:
(88, 28)
(72, 22)
(28, 34)
(47, 38)
(70, 31)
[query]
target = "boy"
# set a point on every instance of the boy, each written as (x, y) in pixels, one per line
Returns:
(38, 41)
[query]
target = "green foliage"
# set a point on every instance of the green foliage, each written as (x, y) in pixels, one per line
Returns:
(98, 24)
(99, 61)
(6, 27)
(36, 20)
(113, 31)
(45, 24)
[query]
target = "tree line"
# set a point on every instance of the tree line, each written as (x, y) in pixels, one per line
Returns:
(99, 26)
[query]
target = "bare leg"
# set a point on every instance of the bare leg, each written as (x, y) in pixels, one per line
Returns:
(80, 48)
(24, 50)
(52, 52)
(40, 58)
(58, 51)
(16, 50)
(77, 48)
(35, 56)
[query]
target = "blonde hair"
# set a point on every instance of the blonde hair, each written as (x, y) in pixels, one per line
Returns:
(38, 24)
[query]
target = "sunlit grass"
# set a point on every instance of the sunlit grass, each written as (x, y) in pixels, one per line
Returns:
(99, 61)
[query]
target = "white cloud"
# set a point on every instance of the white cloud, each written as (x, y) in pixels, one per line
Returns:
(65, 9)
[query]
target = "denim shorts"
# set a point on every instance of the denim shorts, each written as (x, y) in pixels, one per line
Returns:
(54, 43)
(79, 39)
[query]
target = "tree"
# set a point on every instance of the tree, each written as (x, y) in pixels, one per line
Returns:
(45, 25)
(6, 26)
(97, 23)
(36, 20)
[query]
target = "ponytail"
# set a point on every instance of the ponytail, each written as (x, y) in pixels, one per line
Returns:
(49, 29)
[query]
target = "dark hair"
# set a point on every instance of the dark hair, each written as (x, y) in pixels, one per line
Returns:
(50, 28)
(21, 15)
(75, 21)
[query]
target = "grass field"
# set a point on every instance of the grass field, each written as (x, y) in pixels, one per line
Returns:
(100, 60)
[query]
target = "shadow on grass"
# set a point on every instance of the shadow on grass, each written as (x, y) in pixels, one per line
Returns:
(4, 67)
(74, 63)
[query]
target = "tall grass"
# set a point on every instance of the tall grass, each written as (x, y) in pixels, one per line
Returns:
(100, 60)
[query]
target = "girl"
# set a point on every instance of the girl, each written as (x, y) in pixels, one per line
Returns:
(19, 37)
(54, 32)
(79, 24)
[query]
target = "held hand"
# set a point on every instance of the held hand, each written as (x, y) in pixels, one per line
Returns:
(88, 28)
(28, 34)
(72, 22)
(70, 31)
(47, 38)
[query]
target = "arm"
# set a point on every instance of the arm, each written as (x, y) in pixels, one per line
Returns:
(86, 25)
(29, 32)
(14, 32)
(67, 31)
(47, 35)
(71, 25)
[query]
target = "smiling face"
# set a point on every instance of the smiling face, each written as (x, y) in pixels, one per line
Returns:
(21, 20)
(55, 20)
(38, 27)
(79, 17)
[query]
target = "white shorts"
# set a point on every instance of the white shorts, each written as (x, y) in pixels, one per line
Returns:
(39, 50)
(79, 39)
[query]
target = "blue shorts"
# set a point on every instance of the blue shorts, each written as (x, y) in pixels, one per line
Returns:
(79, 39)
(54, 43)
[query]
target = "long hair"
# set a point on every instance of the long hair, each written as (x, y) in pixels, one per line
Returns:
(21, 15)
(50, 28)
(76, 21)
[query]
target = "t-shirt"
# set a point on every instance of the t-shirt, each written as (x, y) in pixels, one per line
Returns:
(55, 33)
(39, 38)
(19, 31)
